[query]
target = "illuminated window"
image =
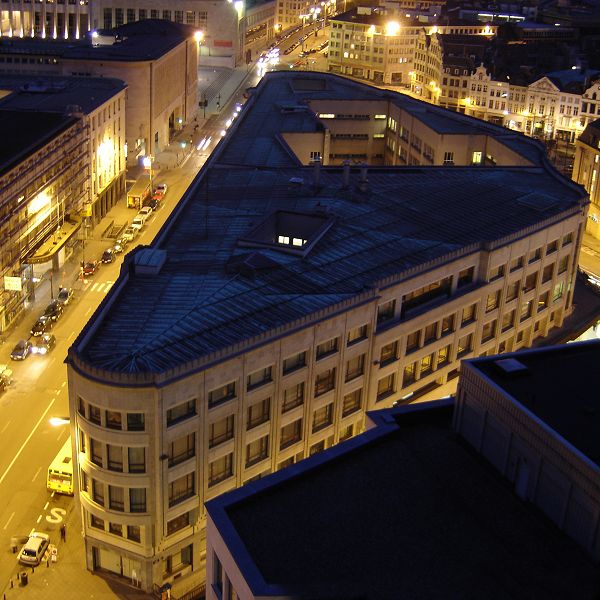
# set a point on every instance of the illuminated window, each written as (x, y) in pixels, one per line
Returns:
(477, 156)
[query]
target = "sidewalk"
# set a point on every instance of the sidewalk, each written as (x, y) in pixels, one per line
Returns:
(68, 578)
(184, 142)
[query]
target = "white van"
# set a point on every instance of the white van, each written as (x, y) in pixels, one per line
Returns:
(34, 549)
(138, 221)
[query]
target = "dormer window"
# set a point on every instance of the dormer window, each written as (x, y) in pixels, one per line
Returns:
(293, 232)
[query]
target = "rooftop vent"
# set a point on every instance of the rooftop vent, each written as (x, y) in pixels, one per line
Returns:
(250, 264)
(149, 261)
(538, 201)
(511, 366)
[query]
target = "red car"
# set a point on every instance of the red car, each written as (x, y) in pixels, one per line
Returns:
(89, 268)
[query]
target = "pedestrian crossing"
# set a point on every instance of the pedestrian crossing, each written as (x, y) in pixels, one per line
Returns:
(99, 287)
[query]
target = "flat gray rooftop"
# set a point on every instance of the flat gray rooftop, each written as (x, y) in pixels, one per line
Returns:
(412, 513)
(201, 301)
(48, 93)
(144, 40)
(557, 386)
(25, 132)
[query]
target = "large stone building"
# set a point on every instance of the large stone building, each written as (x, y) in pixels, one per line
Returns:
(404, 510)
(158, 61)
(101, 104)
(62, 162)
(283, 300)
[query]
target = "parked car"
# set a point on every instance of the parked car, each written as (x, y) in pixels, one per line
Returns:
(161, 187)
(129, 234)
(44, 344)
(21, 350)
(54, 310)
(146, 210)
(117, 248)
(43, 324)
(138, 221)
(34, 549)
(153, 203)
(108, 256)
(64, 296)
(89, 268)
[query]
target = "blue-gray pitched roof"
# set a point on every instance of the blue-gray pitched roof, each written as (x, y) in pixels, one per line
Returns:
(196, 306)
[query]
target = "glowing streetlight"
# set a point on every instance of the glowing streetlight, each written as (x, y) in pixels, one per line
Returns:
(392, 28)
(147, 164)
(199, 36)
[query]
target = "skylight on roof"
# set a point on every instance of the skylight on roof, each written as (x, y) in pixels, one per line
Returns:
(288, 231)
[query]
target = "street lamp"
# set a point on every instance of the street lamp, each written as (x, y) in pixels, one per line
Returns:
(147, 164)
(303, 17)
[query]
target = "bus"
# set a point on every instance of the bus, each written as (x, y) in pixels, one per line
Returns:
(60, 471)
(139, 191)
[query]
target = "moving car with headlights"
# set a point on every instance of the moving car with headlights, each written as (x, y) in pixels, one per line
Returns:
(64, 296)
(34, 549)
(21, 350)
(44, 344)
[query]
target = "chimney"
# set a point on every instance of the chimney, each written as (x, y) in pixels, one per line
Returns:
(317, 172)
(363, 182)
(346, 175)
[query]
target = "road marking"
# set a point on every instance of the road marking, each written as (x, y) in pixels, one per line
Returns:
(56, 515)
(46, 505)
(14, 460)
(39, 519)
(62, 385)
(71, 336)
(36, 474)
(9, 520)
(5, 426)
(88, 311)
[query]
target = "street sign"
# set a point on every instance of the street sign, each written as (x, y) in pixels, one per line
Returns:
(12, 283)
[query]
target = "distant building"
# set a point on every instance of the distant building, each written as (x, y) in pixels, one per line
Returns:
(220, 22)
(402, 511)
(367, 43)
(63, 166)
(296, 287)
(158, 61)
(533, 416)
(586, 171)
